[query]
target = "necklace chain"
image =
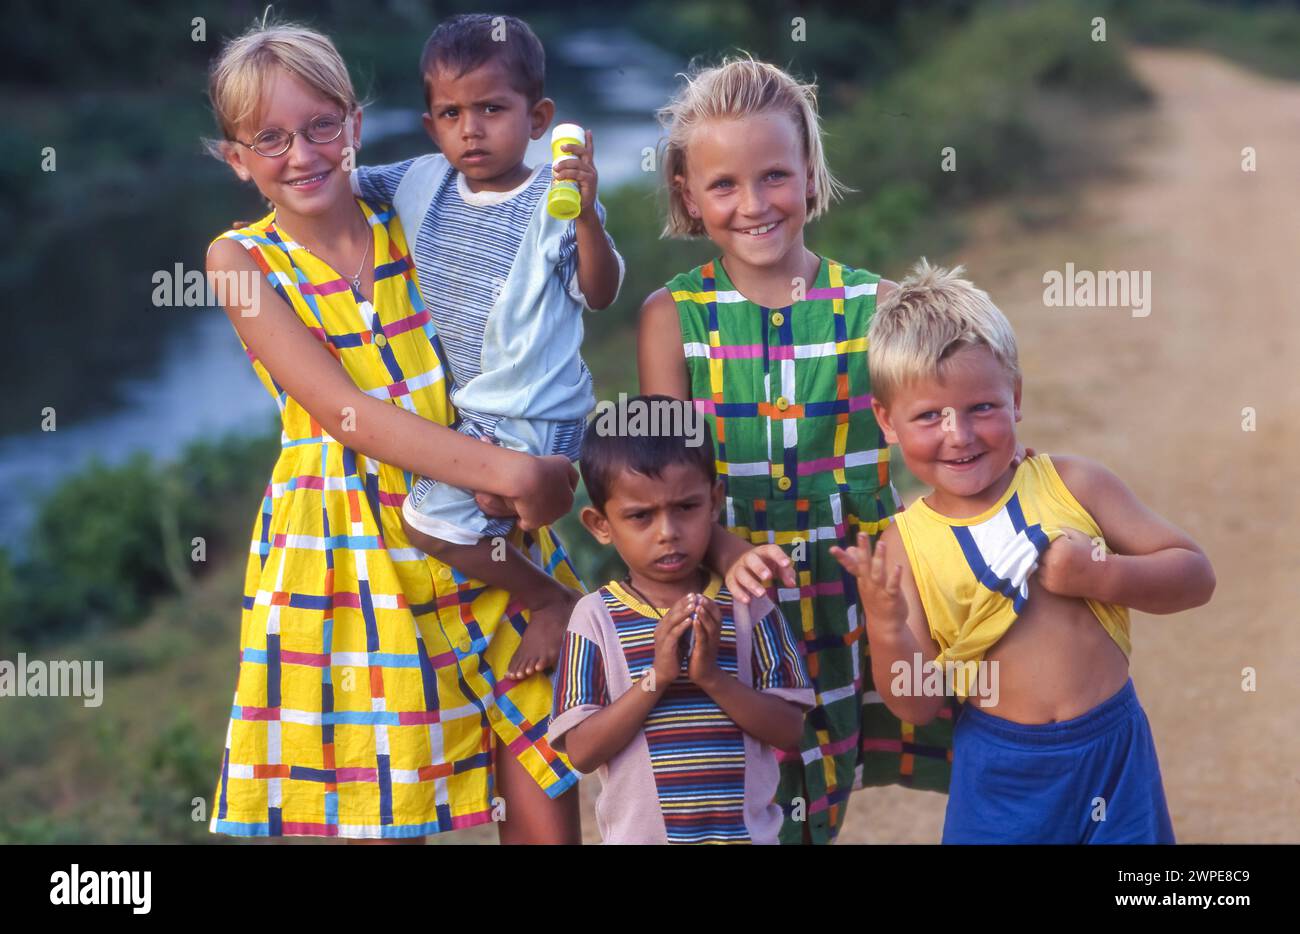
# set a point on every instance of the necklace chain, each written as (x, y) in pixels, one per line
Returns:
(642, 597)
(627, 581)
(356, 276)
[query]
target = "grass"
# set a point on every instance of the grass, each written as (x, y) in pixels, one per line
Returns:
(131, 769)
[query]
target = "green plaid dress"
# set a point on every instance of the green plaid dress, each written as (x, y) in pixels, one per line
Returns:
(805, 465)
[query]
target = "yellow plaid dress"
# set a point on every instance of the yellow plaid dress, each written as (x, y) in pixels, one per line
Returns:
(370, 675)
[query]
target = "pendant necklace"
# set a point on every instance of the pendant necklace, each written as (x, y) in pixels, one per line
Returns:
(356, 276)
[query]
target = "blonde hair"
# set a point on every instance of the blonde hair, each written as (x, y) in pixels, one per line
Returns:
(933, 314)
(740, 87)
(239, 74)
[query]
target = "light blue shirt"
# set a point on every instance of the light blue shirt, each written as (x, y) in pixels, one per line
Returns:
(498, 274)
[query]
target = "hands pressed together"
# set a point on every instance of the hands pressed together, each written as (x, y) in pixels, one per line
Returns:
(699, 616)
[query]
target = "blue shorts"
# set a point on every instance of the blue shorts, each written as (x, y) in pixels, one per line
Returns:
(1093, 779)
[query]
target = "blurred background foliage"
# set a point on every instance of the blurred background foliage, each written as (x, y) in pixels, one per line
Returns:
(118, 90)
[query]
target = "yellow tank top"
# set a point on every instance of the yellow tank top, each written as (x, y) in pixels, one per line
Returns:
(973, 574)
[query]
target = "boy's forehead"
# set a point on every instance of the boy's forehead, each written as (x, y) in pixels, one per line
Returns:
(487, 81)
(675, 481)
(973, 371)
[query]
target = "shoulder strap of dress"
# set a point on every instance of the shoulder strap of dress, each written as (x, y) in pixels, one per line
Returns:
(858, 285)
(687, 290)
(251, 237)
(265, 246)
(856, 280)
(686, 281)
(416, 190)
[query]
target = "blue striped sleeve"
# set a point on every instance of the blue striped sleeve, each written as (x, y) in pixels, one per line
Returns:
(777, 663)
(568, 266)
(579, 675)
(379, 182)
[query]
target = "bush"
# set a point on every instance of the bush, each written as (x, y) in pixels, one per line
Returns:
(980, 91)
(95, 553)
(1263, 36)
(11, 602)
(109, 539)
(178, 769)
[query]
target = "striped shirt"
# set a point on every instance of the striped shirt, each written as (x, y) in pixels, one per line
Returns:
(464, 249)
(691, 775)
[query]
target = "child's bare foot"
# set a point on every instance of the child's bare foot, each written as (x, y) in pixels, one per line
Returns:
(543, 637)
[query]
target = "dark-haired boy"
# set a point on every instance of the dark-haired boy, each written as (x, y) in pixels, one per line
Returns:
(674, 692)
(505, 284)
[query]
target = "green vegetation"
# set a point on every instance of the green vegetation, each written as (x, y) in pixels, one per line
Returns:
(110, 540)
(128, 771)
(1260, 35)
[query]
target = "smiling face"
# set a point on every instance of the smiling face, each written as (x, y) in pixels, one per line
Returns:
(660, 526)
(483, 125)
(957, 432)
(309, 179)
(748, 182)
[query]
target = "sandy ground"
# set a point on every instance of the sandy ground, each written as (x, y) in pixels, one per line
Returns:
(1160, 400)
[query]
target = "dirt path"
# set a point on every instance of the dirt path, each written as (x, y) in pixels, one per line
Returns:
(1160, 400)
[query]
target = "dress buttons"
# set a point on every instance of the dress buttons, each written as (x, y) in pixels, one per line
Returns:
(778, 319)
(463, 644)
(783, 483)
(381, 340)
(782, 403)
(444, 574)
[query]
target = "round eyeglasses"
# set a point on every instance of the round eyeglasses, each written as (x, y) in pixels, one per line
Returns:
(274, 141)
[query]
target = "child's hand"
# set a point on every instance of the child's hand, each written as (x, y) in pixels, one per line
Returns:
(1021, 454)
(881, 592)
(581, 171)
(497, 507)
(1067, 567)
(668, 635)
(752, 572)
(703, 666)
(547, 493)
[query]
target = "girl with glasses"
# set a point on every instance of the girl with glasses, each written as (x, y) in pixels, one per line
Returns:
(370, 702)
